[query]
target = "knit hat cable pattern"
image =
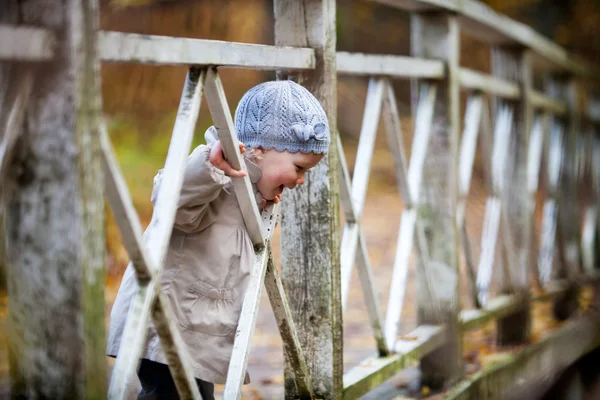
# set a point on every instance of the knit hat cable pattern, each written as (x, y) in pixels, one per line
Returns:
(282, 115)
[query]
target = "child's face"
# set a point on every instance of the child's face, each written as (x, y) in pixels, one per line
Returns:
(282, 169)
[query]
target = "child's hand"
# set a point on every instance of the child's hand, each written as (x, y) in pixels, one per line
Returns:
(217, 158)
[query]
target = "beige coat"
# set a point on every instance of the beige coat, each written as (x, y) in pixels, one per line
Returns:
(206, 272)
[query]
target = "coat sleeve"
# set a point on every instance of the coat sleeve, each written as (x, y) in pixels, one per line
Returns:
(202, 183)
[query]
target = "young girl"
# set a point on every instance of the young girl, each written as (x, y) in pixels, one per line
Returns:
(210, 255)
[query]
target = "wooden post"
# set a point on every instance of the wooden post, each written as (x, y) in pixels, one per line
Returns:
(515, 64)
(310, 214)
(55, 218)
(567, 198)
(437, 36)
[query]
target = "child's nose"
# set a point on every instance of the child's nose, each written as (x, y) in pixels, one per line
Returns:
(300, 181)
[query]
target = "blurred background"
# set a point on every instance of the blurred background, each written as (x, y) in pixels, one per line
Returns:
(140, 104)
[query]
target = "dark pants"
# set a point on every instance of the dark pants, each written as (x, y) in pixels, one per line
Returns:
(157, 383)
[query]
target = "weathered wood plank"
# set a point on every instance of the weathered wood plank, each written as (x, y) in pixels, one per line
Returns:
(547, 103)
(217, 102)
(352, 238)
(243, 336)
(589, 235)
(485, 24)
(56, 287)
(517, 206)
(287, 329)
(358, 188)
(310, 217)
(366, 144)
(531, 371)
(388, 65)
(422, 133)
(164, 50)
(141, 306)
(26, 43)
(553, 147)
(552, 290)
(396, 144)
(370, 295)
(372, 372)
(438, 36)
(496, 308)
(474, 80)
(466, 159)
(569, 197)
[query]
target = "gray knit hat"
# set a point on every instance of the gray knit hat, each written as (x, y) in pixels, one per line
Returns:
(282, 115)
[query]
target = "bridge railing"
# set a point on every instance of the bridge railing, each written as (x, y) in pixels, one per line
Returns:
(523, 133)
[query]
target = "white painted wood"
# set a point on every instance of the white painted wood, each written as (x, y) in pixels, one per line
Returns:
(11, 119)
(465, 167)
(370, 295)
(399, 275)
(535, 157)
(482, 22)
(409, 215)
(422, 133)
(588, 238)
(501, 143)
(373, 371)
(345, 185)
(164, 50)
(474, 80)
(552, 172)
(366, 144)
(547, 103)
(287, 329)
(396, 145)
(489, 236)
(395, 142)
(350, 240)
(243, 336)
(217, 102)
(156, 242)
(388, 65)
(555, 155)
(347, 257)
(547, 241)
(467, 152)
(493, 208)
(26, 43)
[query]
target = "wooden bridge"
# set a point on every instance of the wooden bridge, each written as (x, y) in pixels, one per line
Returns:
(57, 166)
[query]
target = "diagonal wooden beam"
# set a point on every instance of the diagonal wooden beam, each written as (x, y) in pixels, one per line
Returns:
(287, 328)
(493, 209)
(217, 102)
(466, 159)
(553, 169)
(260, 228)
(352, 237)
(150, 258)
(409, 215)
